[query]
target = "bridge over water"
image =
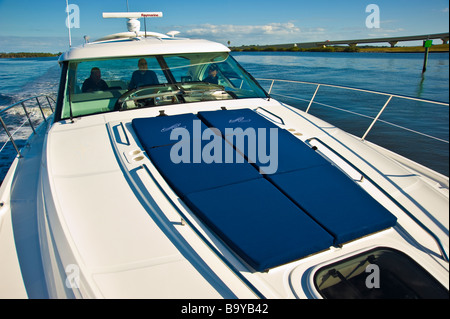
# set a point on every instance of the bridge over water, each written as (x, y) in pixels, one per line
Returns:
(392, 41)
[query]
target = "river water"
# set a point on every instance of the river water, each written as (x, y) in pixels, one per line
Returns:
(399, 73)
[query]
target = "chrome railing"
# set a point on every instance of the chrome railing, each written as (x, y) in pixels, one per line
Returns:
(374, 119)
(29, 106)
(413, 127)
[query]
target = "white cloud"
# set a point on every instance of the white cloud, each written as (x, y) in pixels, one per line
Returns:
(390, 30)
(245, 34)
(272, 28)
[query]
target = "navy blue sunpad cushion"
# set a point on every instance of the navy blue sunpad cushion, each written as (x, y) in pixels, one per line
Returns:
(335, 202)
(155, 131)
(185, 171)
(266, 221)
(259, 223)
(190, 177)
(291, 153)
(321, 189)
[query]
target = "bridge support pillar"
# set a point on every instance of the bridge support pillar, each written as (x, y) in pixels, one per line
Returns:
(444, 40)
(393, 43)
(352, 44)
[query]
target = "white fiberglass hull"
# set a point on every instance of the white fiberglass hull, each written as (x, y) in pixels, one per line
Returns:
(111, 227)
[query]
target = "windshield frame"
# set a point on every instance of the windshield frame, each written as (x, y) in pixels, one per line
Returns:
(170, 74)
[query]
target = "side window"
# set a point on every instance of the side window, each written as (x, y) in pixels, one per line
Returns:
(180, 68)
(233, 79)
(145, 71)
(117, 73)
(94, 86)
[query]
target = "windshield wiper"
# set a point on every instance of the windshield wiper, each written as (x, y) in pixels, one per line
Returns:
(70, 103)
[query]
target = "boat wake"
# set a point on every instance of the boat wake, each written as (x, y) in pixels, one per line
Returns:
(16, 120)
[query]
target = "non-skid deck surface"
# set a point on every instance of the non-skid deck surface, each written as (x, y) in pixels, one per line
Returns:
(306, 206)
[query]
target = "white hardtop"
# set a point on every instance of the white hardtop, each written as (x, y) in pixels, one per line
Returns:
(140, 46)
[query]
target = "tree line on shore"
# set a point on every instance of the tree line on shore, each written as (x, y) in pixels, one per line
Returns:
(296, 49)
(28, 55)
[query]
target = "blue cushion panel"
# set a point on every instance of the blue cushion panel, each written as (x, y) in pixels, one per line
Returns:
(290, 153)
(190, 177)
(155, 131)
(192, 174)
(305, 207)
(243, 118)
(259, 223)
(335, 202)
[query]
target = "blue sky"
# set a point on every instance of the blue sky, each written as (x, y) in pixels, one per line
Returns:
(39, 26)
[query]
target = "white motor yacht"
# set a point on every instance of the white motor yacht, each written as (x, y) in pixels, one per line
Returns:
(167, 171)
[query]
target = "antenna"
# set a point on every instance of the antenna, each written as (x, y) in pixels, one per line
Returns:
(132, 15)
(68, 23)
(133, 24)
(173, 33)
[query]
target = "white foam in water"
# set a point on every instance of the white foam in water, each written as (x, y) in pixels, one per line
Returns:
(21, 79)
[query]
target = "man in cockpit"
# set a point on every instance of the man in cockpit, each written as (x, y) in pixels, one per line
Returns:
(143, 76)
(94, 82)
(212, 75)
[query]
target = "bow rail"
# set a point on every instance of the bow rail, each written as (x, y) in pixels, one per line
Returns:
(39, 102)
(375, 119)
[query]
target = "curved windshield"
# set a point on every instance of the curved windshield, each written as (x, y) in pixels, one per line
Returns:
(97, 86)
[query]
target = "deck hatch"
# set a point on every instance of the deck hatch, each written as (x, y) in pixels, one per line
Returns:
(381, 273)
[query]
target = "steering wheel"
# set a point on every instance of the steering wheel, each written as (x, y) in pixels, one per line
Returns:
(123, 98)
(133, 92)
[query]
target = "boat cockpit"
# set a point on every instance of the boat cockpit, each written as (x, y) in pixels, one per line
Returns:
(153, 80)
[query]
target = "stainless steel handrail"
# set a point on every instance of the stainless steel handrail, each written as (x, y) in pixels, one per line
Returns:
(24, 107)
(374, 119)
